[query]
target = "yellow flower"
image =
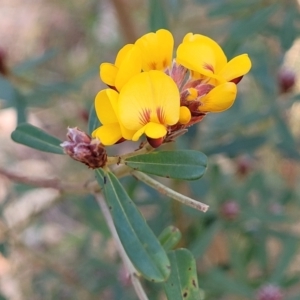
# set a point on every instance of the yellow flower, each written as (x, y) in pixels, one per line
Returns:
(156, 49)
(128, 63)
(205, 58)
(220, 98)
(148, 103)
(111, 130)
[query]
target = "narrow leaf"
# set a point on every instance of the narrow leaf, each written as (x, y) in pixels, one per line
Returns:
(182, 283)
(287, 255)
(139, 242)
(36, 138)
(93, 120)
(158, 15)
(182, 164)
(20, 106)
(200, 245)
(7, 93)
(35, 62)
(170, 237)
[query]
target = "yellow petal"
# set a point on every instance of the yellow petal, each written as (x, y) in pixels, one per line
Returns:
(219, 98)
(108, 73)
(103, 106)
(108, 134)
(130, 65)
(193, 94)
(201, 54)
(126, 133)
(157, 50)
(138, 134)
(155, 130)
(122, 54)
(238, 66)
(185, 115)
(149, 96)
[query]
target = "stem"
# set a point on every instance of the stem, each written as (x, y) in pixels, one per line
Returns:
(38, 258)
(46, 183)
(122, 171)
(125, 21)
(120, 159)
(169, 192)
(129, 266)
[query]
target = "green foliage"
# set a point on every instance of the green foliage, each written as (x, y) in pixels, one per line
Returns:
(139, 242)
(186, 165)
(36, 138)
(157, 15)
(253, 156)
(182, 283)
(170, 237)
(93, 120)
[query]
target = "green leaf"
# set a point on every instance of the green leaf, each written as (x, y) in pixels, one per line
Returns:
(182, 283)
(238, 145)
(34, 62)
(288, 31)
(254, 23)
(36, 138)
(2, 297)
(93, 120)
(220, 281)
(200, 245)
(4, 248)
(181, 164)
(139, 242)
(170, 237)
(158, 15)
(224, 9)
(7, 93)
(20, 106)
(287, 255)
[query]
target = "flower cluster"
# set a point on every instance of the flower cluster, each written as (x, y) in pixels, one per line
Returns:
(153, 94)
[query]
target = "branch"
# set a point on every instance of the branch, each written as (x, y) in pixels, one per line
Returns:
(49, 183)
(125, 21)
(42, 259)
(129, 266)
(169, 192)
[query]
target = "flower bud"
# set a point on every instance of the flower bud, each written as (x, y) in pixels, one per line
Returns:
(3, 66)
(286, 80)
(82, 148)
(155, 143)
(269, 292)
(244, 165)
(230, 210)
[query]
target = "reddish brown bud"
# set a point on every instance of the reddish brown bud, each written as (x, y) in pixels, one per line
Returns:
(84, 115)
(244, 165)
(3, 66)
(230, 210)
(82, 148)
(269, 292)
(237, 80)
(155, 142)
(286, 80)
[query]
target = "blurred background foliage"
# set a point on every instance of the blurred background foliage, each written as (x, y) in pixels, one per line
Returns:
(57, 245)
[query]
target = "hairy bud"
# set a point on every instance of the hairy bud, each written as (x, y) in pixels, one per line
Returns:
(82, 148)
(3, 67)
(286, 80)
(269, 292)
(230, 210)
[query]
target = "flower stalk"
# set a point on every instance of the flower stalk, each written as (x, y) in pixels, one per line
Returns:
(161, 188)
(133, 273)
